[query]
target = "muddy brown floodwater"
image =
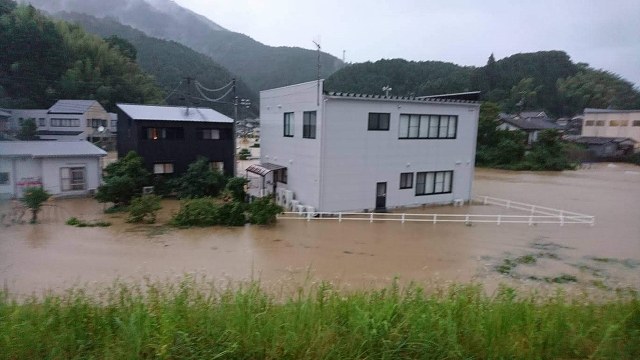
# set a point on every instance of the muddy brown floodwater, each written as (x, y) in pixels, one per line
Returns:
(52, 255)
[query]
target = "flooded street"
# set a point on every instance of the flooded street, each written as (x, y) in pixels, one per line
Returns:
(52, 255)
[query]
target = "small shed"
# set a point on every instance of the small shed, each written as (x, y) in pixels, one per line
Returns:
(64, 168)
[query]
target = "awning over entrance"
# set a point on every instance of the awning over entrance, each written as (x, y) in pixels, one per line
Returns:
(264, 168)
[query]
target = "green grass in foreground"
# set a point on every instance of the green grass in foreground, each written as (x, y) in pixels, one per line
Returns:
(196, 320)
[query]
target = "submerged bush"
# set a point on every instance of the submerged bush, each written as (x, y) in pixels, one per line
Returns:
(232, 214)
(74, 221)
(264, 211)
(144, 209)
(196, 212)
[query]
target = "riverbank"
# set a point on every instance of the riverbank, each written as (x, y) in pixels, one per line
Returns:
(193, 319)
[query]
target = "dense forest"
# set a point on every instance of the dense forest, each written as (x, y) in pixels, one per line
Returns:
(168, 61)
(260, 66)
(546, 80)
(43, 61)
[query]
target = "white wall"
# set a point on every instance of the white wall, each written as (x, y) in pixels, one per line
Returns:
(612, 131)
(51, 173)
(355, 159)
(6, 191)
(300, 156)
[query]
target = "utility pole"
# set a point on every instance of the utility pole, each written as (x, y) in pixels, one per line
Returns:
(318, 45)
(235, 120)
(189, 98)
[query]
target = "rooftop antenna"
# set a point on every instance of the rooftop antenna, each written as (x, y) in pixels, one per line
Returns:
(317, 44)
(386, 90)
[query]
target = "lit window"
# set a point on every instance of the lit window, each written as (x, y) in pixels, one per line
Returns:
(624, 122)
(614, 123)
(600, 123)
(163, 168)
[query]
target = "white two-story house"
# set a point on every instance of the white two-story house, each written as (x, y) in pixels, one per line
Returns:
(353, 152)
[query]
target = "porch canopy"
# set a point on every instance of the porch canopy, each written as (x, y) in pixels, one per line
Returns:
(264, 168)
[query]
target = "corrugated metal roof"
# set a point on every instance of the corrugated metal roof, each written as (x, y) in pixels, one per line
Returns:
(597, 111)
(5, 113)
(529, 123)
(401, 98)
(173, 113)
(264, 168)
(71, 106)
(49, 149)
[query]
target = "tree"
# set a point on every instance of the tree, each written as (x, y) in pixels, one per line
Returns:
(123, 180)
(200, 180)
(235, 188)
(144, 209)
(28, 130)
(33, 198)
(263, 211)
(126, 48)
(488, 123)
(244, 154)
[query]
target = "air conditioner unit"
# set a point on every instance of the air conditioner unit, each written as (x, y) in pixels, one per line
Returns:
(311, 210)
(294, 205)
(279, 196)
(289, 195)
(147, 190)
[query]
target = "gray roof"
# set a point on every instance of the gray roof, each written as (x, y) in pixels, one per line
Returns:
(71, 106)
(264, 168)
(4, 113)
(599, 140)
(49, 149)
(173, 113)
(58, 132)
(533, 114)
(596, 111)
(431, 99)
(529, 123)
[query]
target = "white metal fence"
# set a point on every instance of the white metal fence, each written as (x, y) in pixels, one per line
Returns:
(547, 215)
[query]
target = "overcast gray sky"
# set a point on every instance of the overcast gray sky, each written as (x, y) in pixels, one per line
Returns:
(603, 33)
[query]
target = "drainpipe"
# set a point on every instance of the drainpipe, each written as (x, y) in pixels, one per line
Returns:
(323, 140)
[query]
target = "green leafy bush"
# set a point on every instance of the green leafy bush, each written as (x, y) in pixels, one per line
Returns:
(144, 209)
(235, 188)
(124, 179)
(73, 221)
(244, 154)
(196, 212)
(33, 198)
(200, 180)
(264, 211)
(232, 214)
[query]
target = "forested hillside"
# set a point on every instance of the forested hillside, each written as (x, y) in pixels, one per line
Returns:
(546, 80)
(43, 61)
(168, 61)
(260, 66)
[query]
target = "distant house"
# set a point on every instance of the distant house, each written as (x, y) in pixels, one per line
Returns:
(67, 120)
(169, 138)
(529, 122)
(350, 152)
(4, 120)
(612, 123)
(65, 168)
(605, 147)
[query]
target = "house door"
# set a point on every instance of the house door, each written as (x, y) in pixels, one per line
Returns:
(381, 195)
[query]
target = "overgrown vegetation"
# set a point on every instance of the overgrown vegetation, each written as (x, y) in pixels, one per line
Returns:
(244, 154)
(506, 149)
(203, 212)
(74, 221)
(28, 130)
(263, 211)
(203, 321)
(200, 180)
(143, 209)
(234, 190)
(124, 179)
(33, 198)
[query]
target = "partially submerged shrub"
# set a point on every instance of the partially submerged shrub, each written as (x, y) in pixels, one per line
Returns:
(264, 211)
(74, 221)
(232, 214)
(144, 209)
(196, 212)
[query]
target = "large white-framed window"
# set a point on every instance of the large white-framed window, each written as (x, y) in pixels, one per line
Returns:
(55, 122)
(434, 182)
(73, 178)
(288, 124)
(417, 126)
(163, 168)
(309, 125)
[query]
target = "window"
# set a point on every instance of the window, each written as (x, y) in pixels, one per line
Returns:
(217, 165)
(379, 121)
(208, 134)
(309, 125)
(280, 176)
(624, 122)
(165, 168)
(4, 178)
(96, 123)
(406, 180)
(41, 122)
(427, 126)
(65, 122)
(114, 123)
(166, 133)
(589, 123)
(636, 123)
(614, 123)
(288, 124)
(600, 123)
(437, 182)
(72, 178)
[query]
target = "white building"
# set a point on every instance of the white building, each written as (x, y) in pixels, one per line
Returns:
(65, 168)
(612, 124)
(350, 152)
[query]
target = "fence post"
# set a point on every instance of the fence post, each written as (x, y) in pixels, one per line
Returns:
(435, 218)
(593, 220)
(466, 219)
(508, 204)
(533, 209)
(499, 218)
(485, 201)
(403, 218)
(339, 217)
(371, 218)
(308, 215)
(530, 220)
(561, 218)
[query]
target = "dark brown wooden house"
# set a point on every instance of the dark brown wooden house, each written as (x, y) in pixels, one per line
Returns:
(169, 138)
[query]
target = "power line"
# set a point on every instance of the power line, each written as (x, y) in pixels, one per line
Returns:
(213, 100)
(198, 84)
(174, 90)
